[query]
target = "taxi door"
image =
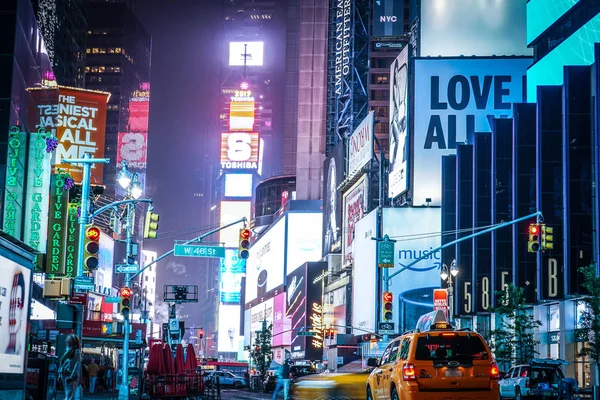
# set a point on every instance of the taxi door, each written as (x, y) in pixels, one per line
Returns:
(383, 374)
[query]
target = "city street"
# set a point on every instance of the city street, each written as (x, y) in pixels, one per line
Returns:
(226, 394)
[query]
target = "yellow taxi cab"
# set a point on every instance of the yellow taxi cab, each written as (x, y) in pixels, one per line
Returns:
(434, 362)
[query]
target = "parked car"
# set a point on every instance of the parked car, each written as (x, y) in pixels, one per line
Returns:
(226, 378)
(541, 378)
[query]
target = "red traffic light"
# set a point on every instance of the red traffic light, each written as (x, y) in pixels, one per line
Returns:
(125, 292)
(533, 229)
(201, 333)
(388, 297)
(244, 233)
(93, 233)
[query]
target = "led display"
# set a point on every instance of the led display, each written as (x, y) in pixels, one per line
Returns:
(541, 14)
(238, 185)
(232, 211)
(239, 150)
(229, 328)
(246, 53)
(241, 115)
(232, 270)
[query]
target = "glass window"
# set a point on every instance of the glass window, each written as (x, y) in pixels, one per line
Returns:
(404, 348)
(390, 353)
(509, 373)
(451, 346)
(95, 50)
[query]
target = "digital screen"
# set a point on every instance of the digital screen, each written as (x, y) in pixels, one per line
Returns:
(229, 328)
(132, 147)
(365, 272)
(360, 145)
(104, 274)
(239, 150)
(258, 314)
(388, 18)
(448, 110)
(354, 205)
(232, 270)
(399, 126)
(473, 28)
(246, 53)
(541, 14)
(15, 288)
(304, 239)
(232, 211)
(238, 185)
(241, 115)
(333, 175)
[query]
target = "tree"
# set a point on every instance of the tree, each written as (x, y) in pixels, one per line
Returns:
(262, 353)
(590, 317)
(513, 341)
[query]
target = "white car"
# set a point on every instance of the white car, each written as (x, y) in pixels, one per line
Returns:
(540, 378)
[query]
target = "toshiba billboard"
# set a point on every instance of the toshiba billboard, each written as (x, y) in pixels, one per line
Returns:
(239, 150)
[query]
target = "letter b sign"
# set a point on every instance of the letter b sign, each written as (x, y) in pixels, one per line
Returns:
(239, 146)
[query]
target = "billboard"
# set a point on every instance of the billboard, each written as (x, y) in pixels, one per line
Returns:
(334, 309)
(258, 314)
(360, 145)
(15, 294)
(355, 204)
(232, 270)
(241, 115)
(454, 99)
(265, 266)
(541, 15)
(239, 150)
(364, 296)
(332, 200)
(229, 328)
(57, 227)
(139, 108)
(281, 324)
(304, 241)
(79, 123)
(103, 276)
(232, 211)
(246, 53)
(399, 144)
(473, 28)
(132, 147)
(412, 228)
(238, 185)
(388, 18)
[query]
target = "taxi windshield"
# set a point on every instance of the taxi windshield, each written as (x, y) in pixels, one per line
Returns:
(450, 346)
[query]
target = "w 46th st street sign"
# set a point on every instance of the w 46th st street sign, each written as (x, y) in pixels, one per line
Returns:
(190, 250)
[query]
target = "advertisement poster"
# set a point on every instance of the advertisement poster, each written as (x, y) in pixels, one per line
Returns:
(282, 334)
(232, 270)
(440, 300)
(454, 99)
(304, 239)
(265, 266)
(314, 310)
(258, 314)
(296, 311)
(229, 328)
(79, 123)
(399, 145)
(355, 202)
(360, 145)
(388, 18)
(334, 309)
(364, 296)
(57, 226)
(333, 175)
(132, 147)
(239, 150)
(15, 287)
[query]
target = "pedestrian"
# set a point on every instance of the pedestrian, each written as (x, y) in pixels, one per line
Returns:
(567, 388)
(69, 369)
(108, 377)
(92, 370)
(283, 378)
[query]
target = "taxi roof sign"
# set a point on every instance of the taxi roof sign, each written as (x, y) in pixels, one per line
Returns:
(433, 320)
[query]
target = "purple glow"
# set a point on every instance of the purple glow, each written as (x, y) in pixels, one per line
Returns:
(49, 75)
(244, 85)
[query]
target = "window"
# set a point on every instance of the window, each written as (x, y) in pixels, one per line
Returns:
(404, 349)
(95, 50)
(451, 347)
(391, 352)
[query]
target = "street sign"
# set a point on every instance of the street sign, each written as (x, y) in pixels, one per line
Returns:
(84, 283)
(386, 328)
(112, 299)
(307, 333)
(78, 298)
(190, 250)
(385, 254)
(127, 268)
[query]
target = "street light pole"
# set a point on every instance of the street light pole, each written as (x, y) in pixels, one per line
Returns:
(124, 387)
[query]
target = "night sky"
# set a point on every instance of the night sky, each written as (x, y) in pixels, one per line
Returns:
(184, 82)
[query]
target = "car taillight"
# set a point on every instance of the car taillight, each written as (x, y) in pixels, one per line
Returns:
(494, 371)
(408, 372)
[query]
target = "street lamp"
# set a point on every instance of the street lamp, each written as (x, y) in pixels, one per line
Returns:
(447, 276)
(136, 187)
(124, 176)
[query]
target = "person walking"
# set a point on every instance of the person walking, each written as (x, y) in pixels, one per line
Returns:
(283, 378)
(108, 378)
(92, 370)
(69, 369)
(567, 388)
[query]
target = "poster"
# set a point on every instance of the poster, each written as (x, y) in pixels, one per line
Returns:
(354, 209)
(399, 146)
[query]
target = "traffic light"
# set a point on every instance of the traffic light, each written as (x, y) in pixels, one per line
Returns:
(388, 299)
(91, 248)
(533, 245)
(244, 246)
(125, 302)
(151, 225)
(547, 237)
(201, 333)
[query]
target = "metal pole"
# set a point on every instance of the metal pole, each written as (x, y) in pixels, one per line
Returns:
(124, 388)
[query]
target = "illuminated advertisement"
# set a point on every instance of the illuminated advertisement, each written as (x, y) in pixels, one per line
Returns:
(265, 266)
(332, 201)
(440, 300)
(541, 14)
(15, 176)
(282, 325)
(229, 328)
(232, 270)
(304, 241)
(104, 274)
(232, 211)
(15, 284)
(334, 309)
(342, 23)
(399, 126)
(473, 28)
(241, 115)
(79, 123)
(261, 152)
(239, 150)
(258, 314)
(139, 108)
(132, 147)
(246, 53)
(388, 18)
(238, 185)
(360, 145)
(355, 203)
(365, 271)
(454, 98)
(57, 226)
